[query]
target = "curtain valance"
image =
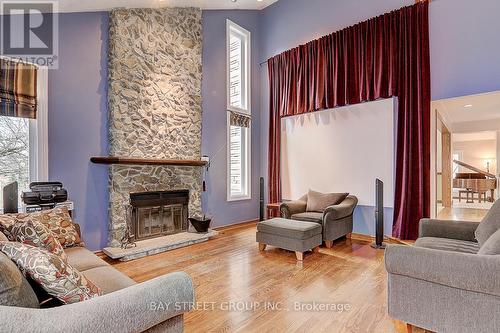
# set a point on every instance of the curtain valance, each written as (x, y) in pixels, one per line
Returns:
(18, 89)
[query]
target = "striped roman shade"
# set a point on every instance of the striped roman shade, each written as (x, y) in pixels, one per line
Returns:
(238, 119)
(18, 89)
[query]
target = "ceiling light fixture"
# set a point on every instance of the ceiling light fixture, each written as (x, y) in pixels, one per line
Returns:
(467, 106)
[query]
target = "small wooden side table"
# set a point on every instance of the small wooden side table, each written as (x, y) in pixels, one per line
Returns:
(273, 210)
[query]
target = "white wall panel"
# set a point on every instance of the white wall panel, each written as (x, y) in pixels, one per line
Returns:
(340, 150)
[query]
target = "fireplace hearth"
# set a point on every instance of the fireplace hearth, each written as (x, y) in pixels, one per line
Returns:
(158, 213)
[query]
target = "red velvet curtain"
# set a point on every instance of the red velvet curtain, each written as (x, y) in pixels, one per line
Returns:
(379, 58)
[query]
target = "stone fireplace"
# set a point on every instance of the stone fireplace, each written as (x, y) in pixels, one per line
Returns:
(158, 213)
(154, 101)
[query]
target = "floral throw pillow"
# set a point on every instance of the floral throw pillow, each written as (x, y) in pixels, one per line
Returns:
(55, 276)
(59, 222)
(7, 221)
(36, 234)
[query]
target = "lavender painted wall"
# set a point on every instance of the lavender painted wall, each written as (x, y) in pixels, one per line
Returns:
(463, 35)
(78, 125)
(214, 201)
(288, 23)
(464, 60)
(464, 54)
(78, 120)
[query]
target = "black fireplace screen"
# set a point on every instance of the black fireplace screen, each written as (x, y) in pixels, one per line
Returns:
(159, 213)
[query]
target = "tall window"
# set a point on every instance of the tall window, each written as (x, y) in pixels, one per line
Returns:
(238, 68)
(239, 112)
(23, 144)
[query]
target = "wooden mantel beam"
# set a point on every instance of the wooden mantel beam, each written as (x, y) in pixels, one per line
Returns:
(143, 161)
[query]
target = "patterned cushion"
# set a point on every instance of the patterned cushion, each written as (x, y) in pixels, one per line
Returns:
(7, 221)
(59, 222)
(57, 277)
(15, 289)
(36, 234)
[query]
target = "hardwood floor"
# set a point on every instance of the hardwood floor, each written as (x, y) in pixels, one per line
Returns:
(462, 214)
(230, 268)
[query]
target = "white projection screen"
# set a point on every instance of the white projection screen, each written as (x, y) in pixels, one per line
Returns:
(340, 150)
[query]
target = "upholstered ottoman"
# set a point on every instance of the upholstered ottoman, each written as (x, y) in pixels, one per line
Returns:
(298, 236)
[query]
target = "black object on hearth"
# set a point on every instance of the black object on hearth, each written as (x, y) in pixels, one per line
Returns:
(200, 224)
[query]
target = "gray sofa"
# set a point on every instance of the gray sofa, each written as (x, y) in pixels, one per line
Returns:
(156, 305)
(449, 280)
(336, 220)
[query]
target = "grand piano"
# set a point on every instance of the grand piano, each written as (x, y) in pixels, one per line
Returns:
(478, 182)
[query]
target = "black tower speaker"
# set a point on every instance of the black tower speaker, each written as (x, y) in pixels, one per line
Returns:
(261, 202)
(10, 195)
(379, 215)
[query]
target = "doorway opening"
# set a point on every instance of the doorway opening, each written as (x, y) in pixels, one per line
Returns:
(466, 149)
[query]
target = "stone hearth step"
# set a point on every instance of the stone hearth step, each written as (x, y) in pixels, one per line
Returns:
(157, 245)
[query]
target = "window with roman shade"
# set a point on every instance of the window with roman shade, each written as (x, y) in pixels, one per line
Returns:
(23, 124)
(238, 112)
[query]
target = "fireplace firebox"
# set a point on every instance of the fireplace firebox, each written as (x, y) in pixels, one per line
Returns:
(158, 213)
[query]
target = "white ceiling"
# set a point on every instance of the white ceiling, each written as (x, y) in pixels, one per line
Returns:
(100, 5)
(475, 136)
(482, 107)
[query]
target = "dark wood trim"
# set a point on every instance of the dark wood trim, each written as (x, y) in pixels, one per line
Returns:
(237, 225)
(355, 236)
(144, 161)
(387, 239)
(253, 223)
